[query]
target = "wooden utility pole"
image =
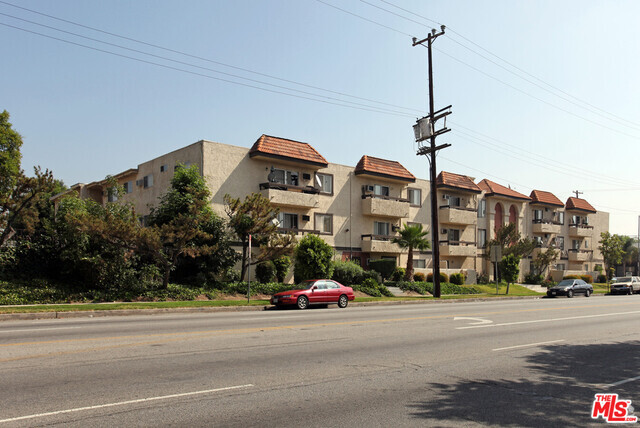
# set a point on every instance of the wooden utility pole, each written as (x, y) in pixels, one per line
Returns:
(424, 129)
(577, 193)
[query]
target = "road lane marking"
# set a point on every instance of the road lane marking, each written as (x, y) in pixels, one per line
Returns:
(548, 320)
(527, 345)
(478, 321)
(124, 403)
(611, 385)
(36, 329)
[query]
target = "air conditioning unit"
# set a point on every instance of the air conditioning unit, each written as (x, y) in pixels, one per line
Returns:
(305, 217)
(367, 188)
(445, 196)
(395, 228)
(306, 176)
(444, 231)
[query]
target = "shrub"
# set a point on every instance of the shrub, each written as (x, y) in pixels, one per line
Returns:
(313, 259)
(587, 278)
(282, 265)
(602, 279)
(368, 274)
(371, 287)
(483, 278)
(418, 276)
(347, 273)
(457, 278)
(531, 278)
(266, 271)
(398, 274)
(385, 267)
(571, 277)
(443, 277)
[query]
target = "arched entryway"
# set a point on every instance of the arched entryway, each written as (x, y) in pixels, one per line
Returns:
(513, 216)
(498, 219)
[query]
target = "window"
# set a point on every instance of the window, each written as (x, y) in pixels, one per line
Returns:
(288, 221)
(586, 267)
(586, 243)
(324, 223)
(454, 201)
(112, 196)
(575, 244)
(324, 182)
(482, 208)
(537, 216)
(453, 236)
(482, 238)
(559, 217)
(148, 181)
(380, 190)
(284, 177)
(538, 240)
(128, 187)
(183, 164)
(164, 167)
(560, 266)
(415, 197)
(419, 263)
(560, 242)
(380, 228)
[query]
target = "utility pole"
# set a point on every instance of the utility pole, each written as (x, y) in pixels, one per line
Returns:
(577, 193)
(424, 129)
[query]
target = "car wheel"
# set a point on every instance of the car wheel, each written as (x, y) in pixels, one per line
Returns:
(343, 301)
(303, 302)
(588, 293)
(570, 293)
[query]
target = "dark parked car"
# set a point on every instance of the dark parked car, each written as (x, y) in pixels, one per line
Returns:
(626, 285)
(315, 292)
(569, 287)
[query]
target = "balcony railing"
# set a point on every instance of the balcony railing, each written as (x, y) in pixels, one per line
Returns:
(546, 226)
(289, 187)
(372, 243)
(580, 230)
(457, 215)
(296, 231)
(385, 206)
(388, 198)
(289, 195)
(457, 248)
(579, 255)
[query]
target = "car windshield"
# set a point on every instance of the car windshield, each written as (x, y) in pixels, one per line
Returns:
(624, 279)
(305, 285)
(565, 282)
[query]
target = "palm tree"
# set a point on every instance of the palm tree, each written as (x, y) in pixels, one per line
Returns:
(412, 237)
(630, 252)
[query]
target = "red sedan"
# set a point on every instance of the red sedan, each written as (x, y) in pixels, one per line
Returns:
(315, 292)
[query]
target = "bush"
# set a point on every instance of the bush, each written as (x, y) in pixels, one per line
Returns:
(313, 259)
(347, 273)
(443, 277)
(445, 288)
(531, 278)
(266, 272)
(587, 278)
(398, 274)
(371, 287)
(385, 267)
(282, 265)
(457, 278)
(483, 279)
(602, 279)
(418, 276)
(571, 277)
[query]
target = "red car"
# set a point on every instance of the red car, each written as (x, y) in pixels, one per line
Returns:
(315, 292)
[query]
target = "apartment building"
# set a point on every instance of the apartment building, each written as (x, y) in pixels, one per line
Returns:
(359, 209)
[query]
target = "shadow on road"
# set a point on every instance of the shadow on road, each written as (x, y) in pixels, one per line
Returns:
(560, 392)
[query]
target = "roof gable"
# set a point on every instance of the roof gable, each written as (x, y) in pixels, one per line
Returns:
(579, 205)
(456, 181)
(383, 168)
(546, 198)
(495, 189)
(281, 148)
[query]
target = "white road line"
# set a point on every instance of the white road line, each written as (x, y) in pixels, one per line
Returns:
(548, 320)
(124, 403)
(528, 345)
(611, 385)
(36, 329)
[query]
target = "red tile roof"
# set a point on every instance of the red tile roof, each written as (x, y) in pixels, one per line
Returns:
(383, 168)
(456, 181)
(580, 205)
(282, 148)
(546, 198)
(498, 190)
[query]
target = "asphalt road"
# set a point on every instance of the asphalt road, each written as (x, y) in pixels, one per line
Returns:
(524, 363)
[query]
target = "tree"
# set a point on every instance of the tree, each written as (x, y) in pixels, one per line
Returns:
(511, 242)
(183, 224)
(510, 268)
(611, 247)
(412, 237)
(630, 252)
(258, 218)
(19, 194)
(312, 259)
(544, 259)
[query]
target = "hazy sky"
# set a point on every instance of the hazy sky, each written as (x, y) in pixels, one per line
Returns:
(544, 93)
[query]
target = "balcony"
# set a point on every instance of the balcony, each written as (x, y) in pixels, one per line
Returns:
(579, 255)
(580, 230)
(379, 244)
(287, 195)
(457, 248)
(457, 215)
(295, 231)
(385, 206)
(546, 226)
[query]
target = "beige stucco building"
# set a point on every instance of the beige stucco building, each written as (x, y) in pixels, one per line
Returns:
(359, 209)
